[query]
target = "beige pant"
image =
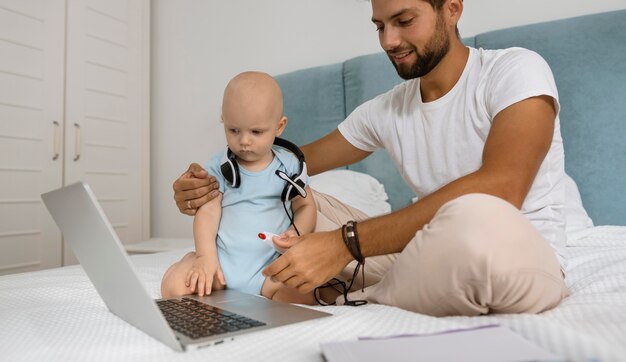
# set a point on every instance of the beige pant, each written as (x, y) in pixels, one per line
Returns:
(478, 255)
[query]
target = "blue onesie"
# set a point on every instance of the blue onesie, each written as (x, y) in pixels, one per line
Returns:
(253, 207)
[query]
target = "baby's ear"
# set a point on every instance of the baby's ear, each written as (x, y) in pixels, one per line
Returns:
(282, 123)
(221, 117)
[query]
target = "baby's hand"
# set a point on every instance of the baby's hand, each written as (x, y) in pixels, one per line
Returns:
(204, 270)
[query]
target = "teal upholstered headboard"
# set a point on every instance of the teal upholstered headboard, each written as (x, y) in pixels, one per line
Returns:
(588, 58)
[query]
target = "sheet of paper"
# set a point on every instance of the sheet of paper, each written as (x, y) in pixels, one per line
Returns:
(482, 344)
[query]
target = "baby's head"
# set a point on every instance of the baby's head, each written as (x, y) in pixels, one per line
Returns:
(252, 112)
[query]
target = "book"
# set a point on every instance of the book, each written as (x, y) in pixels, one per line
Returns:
(481, 344)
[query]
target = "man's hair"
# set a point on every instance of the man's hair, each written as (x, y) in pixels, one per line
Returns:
(438, 5)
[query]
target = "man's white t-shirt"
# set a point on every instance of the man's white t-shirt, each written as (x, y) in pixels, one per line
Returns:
(435, 143)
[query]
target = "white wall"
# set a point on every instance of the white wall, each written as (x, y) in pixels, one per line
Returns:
(198, 45)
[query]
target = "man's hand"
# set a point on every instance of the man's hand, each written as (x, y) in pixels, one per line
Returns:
(194, 188)
(311, 260)
(285, 240)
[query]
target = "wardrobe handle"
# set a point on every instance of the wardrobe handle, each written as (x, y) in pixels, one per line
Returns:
(57, 139)
(76, 141)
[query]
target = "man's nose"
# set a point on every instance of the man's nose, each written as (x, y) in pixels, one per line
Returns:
(389, 38)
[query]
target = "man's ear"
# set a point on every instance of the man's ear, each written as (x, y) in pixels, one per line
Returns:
(281, 125)
(455, 9)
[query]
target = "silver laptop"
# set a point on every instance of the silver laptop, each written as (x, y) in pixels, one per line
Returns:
(181, 323)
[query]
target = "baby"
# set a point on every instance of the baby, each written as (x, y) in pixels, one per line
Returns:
(257, 186)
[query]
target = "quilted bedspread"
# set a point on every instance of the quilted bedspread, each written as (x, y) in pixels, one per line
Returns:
(56, 315)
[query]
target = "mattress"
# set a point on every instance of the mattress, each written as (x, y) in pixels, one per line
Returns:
(56, 315)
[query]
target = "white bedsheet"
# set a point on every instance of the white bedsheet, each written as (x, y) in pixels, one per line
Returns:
(56, 315)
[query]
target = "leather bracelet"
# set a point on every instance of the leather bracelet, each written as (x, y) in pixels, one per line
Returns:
(351, 239)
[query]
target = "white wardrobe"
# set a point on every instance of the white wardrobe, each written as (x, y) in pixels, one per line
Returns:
(74, 106)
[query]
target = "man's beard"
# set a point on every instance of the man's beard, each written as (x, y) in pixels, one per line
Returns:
(436, 48)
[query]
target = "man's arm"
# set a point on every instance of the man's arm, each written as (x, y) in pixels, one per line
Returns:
(517, 144)
(329, 152)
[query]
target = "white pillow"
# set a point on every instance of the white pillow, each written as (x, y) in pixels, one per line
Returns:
(576, 218)
(356, 189)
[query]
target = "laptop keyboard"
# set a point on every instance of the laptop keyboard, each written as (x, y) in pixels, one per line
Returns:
(198, 320)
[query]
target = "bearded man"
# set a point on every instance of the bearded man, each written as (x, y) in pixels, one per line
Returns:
(475, 133)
